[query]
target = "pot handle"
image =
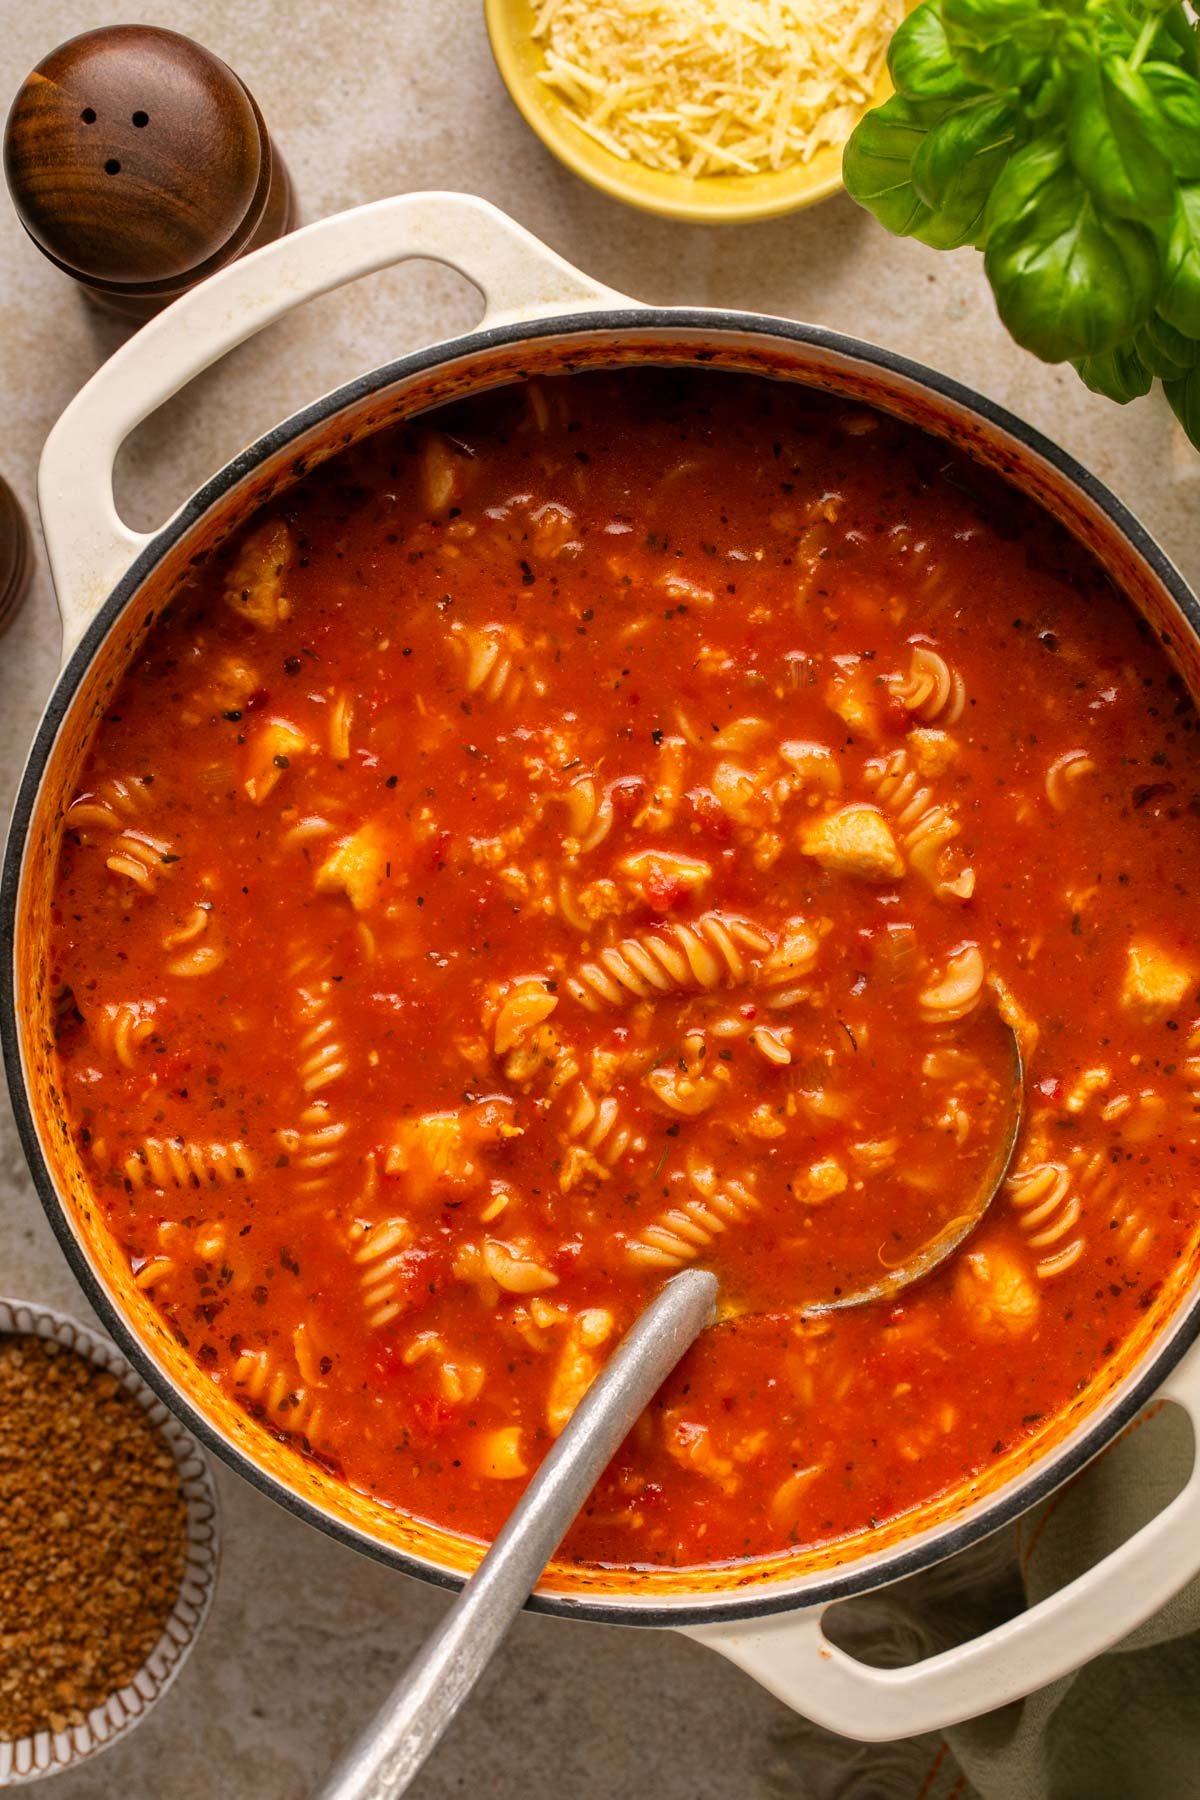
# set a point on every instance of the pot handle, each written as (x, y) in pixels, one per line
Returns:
(791, 1656)
(89, 545)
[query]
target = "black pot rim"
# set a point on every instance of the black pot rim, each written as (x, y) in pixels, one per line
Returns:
(765, 1598)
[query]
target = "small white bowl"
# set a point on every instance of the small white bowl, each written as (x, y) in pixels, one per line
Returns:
(51, 1752)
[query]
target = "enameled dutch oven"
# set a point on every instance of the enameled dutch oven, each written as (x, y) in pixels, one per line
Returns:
(545, 317)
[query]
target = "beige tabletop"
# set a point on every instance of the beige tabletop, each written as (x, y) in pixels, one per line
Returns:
(367, 98)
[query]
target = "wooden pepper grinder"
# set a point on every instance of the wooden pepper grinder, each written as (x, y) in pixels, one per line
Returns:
(15, 555)
(140, 163)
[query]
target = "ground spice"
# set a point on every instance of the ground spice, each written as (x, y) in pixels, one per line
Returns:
(93, 1536)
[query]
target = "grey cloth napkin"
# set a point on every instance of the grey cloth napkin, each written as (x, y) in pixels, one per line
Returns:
(1125, 1727)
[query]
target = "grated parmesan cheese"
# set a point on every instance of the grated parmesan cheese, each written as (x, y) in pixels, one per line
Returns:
(715, 87)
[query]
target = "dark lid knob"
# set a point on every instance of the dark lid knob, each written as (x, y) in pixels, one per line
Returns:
(15, 554)
(139, 162)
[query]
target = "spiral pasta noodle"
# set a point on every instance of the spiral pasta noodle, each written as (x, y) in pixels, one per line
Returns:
(926, 826)
(956, 991)
(179, 1162)
(494, 665)
(710, 952)
(680, 1234)
(1048, 1212)
(933, 690)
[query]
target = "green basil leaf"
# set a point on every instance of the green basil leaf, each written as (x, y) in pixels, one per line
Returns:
(1184, 396)
(877, 166)
(1158, 363)
(1110, 136)
(981, 22)
(1179, 301)
(1176, 121)
(1022, 186)
(920, 60)
(1047, 99)
(956, 166)
(1119, 374)
(1178, 40)
(1068, 281)
(1164, 344)
(1004, 43)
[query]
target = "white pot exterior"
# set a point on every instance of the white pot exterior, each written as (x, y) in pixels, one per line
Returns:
(772, 1630)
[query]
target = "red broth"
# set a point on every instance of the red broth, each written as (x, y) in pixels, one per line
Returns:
(597, 829)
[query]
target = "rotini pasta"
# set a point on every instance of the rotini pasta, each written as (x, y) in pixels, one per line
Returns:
(690, 1083)
(123, 1028)
(195, 951)
(715, 950)
(931, 690)
(109, 805)
(270, 752)
(1049, 1213)
(323, 1060)
(315, 1144)
(523, 1006)
(341, 718)
(682, 1233)
(141, 858)
(783, 975)
(1064, 776)
(590, 815)
(179, 1163)
(956, 990)
(495, 663)
(926, 827)
(379, 1251)
(598, 1135)
(261, 1379)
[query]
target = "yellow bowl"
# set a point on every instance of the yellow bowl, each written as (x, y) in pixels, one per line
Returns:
(704, 200)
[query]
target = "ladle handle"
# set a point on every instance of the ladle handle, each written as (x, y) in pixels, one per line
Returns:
(384, 1760)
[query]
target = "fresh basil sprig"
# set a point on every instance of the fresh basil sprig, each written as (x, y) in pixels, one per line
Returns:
(1061, 138)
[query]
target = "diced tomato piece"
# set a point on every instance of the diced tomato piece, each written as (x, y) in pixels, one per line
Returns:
(709, 813)
(563, 1260)
(432, 1415)
(662, 890)
(389, 1361)
(893, 714)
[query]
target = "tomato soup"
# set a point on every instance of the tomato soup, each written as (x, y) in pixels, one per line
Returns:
(615, 824)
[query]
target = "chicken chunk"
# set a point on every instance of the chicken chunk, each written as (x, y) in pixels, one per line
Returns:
(499, 1455)
(269, 754)
(433, 1149)
(256, 587)
(446, 471)
(578, 1364)
(813, 764)
(822, 1181)
(518, 1009)
(932, 751)
(850, 696)
(357, 867)
(659, 877)
(997, 1295)
(855, 840)
(1155, 981)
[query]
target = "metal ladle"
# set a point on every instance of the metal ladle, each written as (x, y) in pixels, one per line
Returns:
(383, 1761)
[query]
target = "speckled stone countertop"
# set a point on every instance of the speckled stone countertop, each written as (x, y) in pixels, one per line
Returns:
(367, 98)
